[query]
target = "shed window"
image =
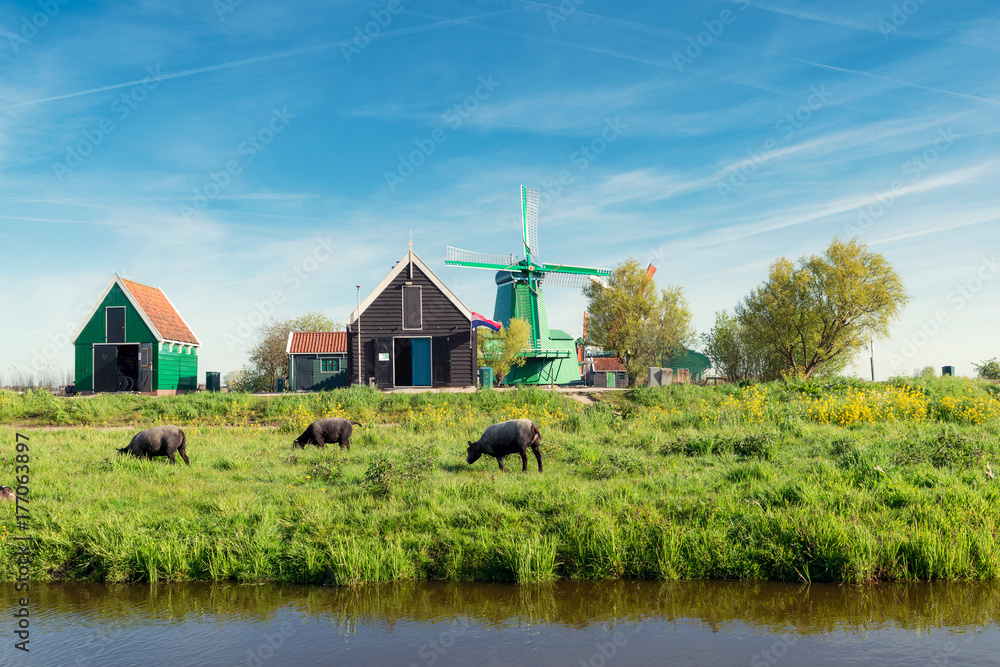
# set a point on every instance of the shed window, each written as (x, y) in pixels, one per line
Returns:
(330, 365)
(412, 310)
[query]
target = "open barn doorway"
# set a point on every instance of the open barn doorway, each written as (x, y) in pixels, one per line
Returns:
(123, 367)
(412, 362)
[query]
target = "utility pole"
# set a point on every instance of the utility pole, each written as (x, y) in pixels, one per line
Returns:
(872, 357)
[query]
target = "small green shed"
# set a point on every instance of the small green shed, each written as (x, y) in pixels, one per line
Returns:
(695, 363)
(133, 339)
(317, 360)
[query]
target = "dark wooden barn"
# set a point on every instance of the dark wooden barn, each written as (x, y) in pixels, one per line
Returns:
(317, 360)
(133, 339)
(413, 332)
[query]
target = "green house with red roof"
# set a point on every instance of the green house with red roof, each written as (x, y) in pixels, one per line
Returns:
(134, 340)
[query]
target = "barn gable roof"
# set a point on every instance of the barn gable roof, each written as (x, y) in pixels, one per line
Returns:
(410, 256)
(153, 307)
(316, 342)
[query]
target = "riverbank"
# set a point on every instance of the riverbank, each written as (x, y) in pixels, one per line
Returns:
(847, 482)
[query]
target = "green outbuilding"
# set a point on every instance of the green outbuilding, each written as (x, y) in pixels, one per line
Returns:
(695, 363)
(317, 360)
(134, 340)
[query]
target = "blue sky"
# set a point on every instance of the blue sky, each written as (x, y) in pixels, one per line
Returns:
(251, 158)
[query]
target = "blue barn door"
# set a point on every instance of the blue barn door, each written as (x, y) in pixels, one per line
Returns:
(421, 351)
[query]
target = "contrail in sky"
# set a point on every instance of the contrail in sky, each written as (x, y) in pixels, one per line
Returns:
(259, 59)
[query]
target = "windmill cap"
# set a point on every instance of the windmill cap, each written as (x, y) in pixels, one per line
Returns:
(506, 277)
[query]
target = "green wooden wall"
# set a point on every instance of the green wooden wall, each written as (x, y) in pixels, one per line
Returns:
(176, 370)
(321, 380)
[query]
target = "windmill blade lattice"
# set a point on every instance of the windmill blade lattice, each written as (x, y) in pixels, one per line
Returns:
(529, 219)
(471, 258)
(572, 280)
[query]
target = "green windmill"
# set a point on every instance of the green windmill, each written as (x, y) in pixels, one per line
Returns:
(552, 356)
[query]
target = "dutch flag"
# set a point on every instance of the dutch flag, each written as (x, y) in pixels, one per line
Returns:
(480, 321)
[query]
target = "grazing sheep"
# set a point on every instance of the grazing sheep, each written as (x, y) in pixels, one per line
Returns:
(158, 441)
(7, 493)
(514, 436)
(320, 432)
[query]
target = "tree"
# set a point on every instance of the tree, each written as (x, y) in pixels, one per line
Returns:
(640, 325)
(245, 379)
(734, 353)
(268, 358)
(825, 310)
(988, 370)
(501, 350)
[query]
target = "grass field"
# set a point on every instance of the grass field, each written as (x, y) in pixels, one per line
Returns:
(846, 481)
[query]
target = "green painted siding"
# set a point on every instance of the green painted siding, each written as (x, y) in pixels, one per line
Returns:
(322, 380)
(175, 370)
(136, 330)
(83, 378)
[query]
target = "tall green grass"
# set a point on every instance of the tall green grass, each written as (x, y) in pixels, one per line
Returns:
(630, 490)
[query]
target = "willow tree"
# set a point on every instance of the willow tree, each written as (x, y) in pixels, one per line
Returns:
(735, 355)
(636, 322)
(825, 310)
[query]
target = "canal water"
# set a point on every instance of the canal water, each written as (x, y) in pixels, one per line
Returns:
(600, 624)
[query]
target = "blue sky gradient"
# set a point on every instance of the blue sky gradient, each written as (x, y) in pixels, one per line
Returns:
(251, 159)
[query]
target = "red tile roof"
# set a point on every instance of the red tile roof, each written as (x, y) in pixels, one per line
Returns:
(603, 364)
(320, 342)
(159, 311)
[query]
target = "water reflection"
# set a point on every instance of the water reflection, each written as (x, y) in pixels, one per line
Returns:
(560, 623)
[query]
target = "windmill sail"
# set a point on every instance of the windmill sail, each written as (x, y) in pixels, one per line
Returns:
(529, 220)
(473, 259)
(572, 280)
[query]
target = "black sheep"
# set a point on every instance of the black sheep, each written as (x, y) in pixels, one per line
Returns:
(320, 432)
(510, 437)
(158, 441)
